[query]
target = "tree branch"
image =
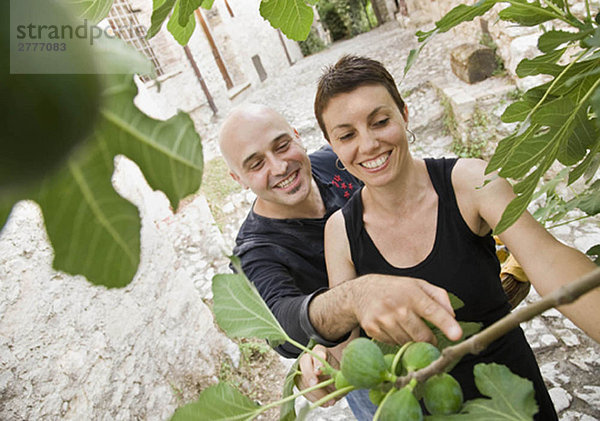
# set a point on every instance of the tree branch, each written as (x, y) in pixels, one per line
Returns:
(476, 343)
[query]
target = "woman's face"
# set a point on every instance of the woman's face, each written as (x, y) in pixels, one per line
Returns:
(367, 131)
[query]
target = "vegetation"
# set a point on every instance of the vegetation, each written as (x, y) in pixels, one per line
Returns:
(344, 18)
(312, 44)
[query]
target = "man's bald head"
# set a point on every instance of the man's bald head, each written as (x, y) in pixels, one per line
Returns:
(243, 125)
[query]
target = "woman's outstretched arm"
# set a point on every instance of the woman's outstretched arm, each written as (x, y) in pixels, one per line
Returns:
(548, 263)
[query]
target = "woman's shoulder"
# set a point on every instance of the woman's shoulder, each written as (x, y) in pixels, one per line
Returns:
(335, 221)
(469, 173)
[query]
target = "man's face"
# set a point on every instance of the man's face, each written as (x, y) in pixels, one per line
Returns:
(265, 155)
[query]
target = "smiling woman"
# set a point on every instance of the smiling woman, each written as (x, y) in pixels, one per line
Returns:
(431, 219)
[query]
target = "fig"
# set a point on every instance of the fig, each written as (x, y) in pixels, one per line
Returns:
(419, 355)
(340, 381)
(442, 395)
(363, 364)
(401, 406)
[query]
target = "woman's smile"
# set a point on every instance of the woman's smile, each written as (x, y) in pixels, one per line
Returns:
(378, 163)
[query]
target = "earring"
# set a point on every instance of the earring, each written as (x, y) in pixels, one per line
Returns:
(339, 165)
(412, 136)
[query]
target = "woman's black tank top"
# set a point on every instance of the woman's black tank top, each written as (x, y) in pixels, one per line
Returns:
(464, 264)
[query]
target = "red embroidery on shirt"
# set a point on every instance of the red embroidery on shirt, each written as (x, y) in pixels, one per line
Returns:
(341, 184)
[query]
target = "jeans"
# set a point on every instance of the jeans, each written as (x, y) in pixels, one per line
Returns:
(360, 404)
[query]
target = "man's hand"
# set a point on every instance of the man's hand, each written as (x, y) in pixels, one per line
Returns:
(392, 309)
(389, 308)
(310, 367)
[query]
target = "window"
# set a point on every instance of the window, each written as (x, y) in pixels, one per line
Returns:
(124, 23)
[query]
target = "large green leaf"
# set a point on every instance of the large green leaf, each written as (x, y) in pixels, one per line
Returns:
(182, 34)
(527, 14)
(92, 10)
(93, 230)
(169, 153)
(550, 40)
(241, 312)
(293, 17)
(219, 402)
(160, 12)
(511, 397)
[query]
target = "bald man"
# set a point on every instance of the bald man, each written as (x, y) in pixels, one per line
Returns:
(280, 243)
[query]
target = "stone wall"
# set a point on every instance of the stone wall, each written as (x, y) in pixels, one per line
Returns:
(72, 350)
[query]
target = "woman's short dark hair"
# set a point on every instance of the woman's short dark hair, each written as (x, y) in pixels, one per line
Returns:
(349, 73)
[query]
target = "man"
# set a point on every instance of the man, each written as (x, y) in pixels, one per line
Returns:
(280, 243)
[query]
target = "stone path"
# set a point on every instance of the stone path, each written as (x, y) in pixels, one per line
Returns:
(569, 360)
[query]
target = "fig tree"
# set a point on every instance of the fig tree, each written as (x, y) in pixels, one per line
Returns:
(442, 395)
(363, 364)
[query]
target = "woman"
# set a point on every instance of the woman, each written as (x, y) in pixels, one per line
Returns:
(432, 219)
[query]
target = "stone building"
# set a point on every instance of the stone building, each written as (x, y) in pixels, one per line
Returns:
(232, 50)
